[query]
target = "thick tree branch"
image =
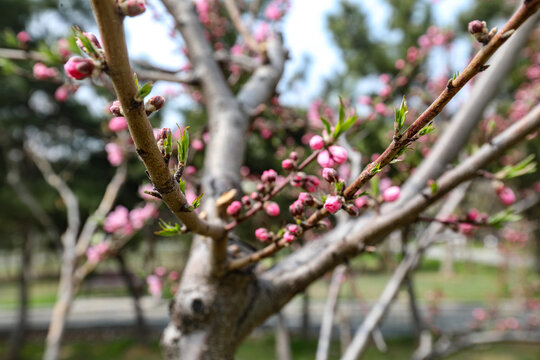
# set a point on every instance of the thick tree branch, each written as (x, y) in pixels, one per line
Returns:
(119, 70)
(236, 18)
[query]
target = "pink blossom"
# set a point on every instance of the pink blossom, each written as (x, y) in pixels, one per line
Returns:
(287, 164)
(262, 32)
(262, 234)
(272, 12)
(384, 78)
(145, 196)
(324, 159)
(364, 100)
(339, 154)
(115, 154)
(465, 228)
(385, 91)
(42, 72)
(269, 176)
(391, 194)
(400, 64)
(384, 184)
(479, 314)
(139, 216)
(160, 271)
(63, 48)
(197, 145)
(332, 204)
(380, 109)
(361, 201)
(155, 287)
(271, 208)
(288, 237)
(23, 37)
(190, 170)
(234, 209)
(506, 195)
(117, 221)
(95, 253)
(293, 229)
(118, 123)
(61, 94)
(330, 175)
(173, 275)
(79, 68)
(316, 142)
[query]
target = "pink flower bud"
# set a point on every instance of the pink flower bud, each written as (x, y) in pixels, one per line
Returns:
(361, 201)
(173, 275)
(506, 195)
(160, 271)
(23, 37)
(118, 123)
(132, 7)
(79, 68)
(466, 229)
(325, 160)
(255, 196)
(271, 208)
(287, 164)
(272, 12)
(477, 26)
(338, 153)
(42, 72)
(351, 209)
(246, 201)
(269, 176)
(391, 194)
(61, 94)
(63, 48)
(332, 204)
(155, 287)
(479, 314)
(115, 155)
(234, 209)
(293, 229)
(262, 234)
(154, 104)
(197, 145)
(116, 108)
(306, 199)
(330, 175)
(473, 215)
(316, 142)
(296, 208)
(288, 237)
(293, 156)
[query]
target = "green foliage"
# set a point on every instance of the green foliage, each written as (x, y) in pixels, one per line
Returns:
(401, 115)
(168, 229)
(343, 124)
(183, 147)
(142, 91)
(499, 219)
(524, 167)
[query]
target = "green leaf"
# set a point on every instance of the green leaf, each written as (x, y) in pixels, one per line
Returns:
(456, 74)
(183, 147)
(327, 125)
(502, 217)
(168, 229)
(144, 91)
(339, 187)
(376, 169)
(525, 166)
(434, 187)
(136, 81)
(7, 67)
(401, 114)
(197, 202)
(341, 111)
(348, 123)
(374, 185)
(168, 144)
(427, 129)
(182, 186)
(10, 38)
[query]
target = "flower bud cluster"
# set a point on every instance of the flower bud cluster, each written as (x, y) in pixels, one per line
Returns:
(291, 162)
(154, 104)
(307, 182)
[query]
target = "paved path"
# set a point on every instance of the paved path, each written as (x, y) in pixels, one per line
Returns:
(111, 312)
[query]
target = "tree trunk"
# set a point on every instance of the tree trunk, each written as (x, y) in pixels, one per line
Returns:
(135, 293)
(19, 333)
(283, 342)
(61, 308)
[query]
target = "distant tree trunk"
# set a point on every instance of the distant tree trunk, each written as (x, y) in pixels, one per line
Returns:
(305, 315)
(19, 333)
(283, 342)
(135, 293)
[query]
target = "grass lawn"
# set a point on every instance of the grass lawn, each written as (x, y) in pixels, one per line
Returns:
(262, 348)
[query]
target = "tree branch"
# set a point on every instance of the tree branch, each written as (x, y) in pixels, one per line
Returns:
(119, 70)
(457, 133)
(299, 269)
